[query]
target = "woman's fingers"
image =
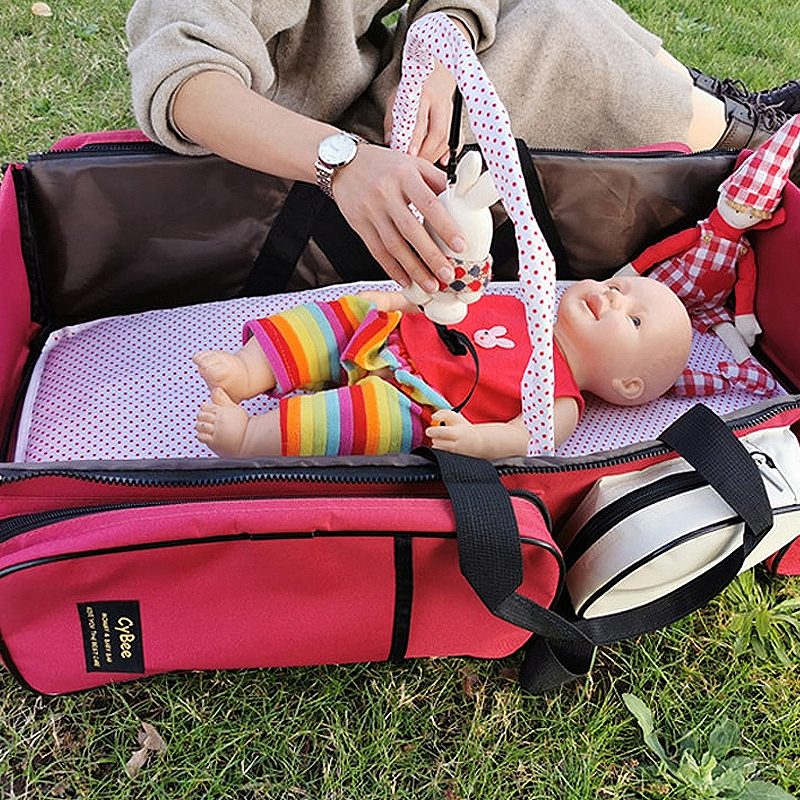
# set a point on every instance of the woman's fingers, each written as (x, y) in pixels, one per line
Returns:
(374, 193)
(396, 246)
(435, 214)
(434, 145)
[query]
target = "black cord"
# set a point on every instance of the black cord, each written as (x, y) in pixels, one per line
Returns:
(455, 136)
(459, 344)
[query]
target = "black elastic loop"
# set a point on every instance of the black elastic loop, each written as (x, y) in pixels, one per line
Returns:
(454, 139)
(459, 344)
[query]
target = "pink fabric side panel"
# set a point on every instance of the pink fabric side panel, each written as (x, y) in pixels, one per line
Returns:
(778, 289)
(235, 604)
(78, 140)
(15, 303)
(789, 563)
(294, 597)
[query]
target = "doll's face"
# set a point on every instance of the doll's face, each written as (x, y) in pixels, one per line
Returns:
(626, 339)
(741, 220)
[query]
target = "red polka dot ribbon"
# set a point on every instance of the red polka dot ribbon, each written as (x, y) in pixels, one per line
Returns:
(433, 37)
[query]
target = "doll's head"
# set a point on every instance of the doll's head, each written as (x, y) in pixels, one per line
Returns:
(755, 189)
(626, 339)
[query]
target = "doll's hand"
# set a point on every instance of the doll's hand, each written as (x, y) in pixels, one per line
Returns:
(389, 301)
(454, 433)
(748, 326)
(484, 440)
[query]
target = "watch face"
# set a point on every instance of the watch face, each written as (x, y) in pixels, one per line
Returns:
(337, 150)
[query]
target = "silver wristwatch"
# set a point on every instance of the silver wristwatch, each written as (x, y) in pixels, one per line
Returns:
(334, 152)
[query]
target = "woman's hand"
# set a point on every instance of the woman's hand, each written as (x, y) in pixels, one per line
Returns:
(429, 139)
(373, 193)
(432, 130)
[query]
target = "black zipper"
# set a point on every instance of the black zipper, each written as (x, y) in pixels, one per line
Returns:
(335, 473)
(102, 149)
(16, 526)
(23, 523)
(612, 514)
(127, 148)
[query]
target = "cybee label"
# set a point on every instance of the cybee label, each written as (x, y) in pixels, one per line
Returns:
(112, 636)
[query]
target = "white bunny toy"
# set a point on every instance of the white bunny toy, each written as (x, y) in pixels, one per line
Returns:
(468, 201)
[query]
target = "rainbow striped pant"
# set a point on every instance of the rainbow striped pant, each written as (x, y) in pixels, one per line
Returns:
(362, 397)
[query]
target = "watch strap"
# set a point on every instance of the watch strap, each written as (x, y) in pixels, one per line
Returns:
(325, 172)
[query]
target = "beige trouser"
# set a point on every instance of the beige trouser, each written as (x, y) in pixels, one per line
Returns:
(572, 73)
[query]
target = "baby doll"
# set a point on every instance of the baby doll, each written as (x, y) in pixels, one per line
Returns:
(377, 379)
(705, 263)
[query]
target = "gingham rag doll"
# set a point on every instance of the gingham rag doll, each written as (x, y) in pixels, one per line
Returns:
(703, 264)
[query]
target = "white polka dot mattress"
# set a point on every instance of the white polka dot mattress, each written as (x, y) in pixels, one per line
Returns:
(126, 388)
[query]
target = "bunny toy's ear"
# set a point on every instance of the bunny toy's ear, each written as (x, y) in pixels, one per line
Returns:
(467, 172)
(483, 194)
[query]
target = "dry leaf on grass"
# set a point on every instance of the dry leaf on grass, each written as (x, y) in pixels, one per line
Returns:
(469, 680)
(41, 10)
(150, 742)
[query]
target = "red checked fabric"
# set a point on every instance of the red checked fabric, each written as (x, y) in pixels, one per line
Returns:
(748, 375)
(759, 182)
(703, 273)
(434, 37)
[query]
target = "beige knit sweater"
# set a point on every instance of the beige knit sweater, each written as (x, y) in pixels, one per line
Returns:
(316, 57)
(571, 74)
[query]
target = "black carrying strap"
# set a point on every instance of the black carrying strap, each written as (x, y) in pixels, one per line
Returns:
(490, 556)
(489, 550)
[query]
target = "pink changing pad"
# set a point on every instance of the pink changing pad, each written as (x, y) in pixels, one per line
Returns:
(126, 388)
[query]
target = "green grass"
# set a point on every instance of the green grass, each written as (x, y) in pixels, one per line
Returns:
(442, 729)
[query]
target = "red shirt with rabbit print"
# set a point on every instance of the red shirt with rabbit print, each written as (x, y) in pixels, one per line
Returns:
(497, 326)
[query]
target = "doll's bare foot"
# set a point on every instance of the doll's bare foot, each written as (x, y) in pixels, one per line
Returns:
(230, 432)
(242, 375)
(221, 424)
(224, 371)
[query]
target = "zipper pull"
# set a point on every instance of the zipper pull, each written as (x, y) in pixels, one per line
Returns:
(763, 460)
